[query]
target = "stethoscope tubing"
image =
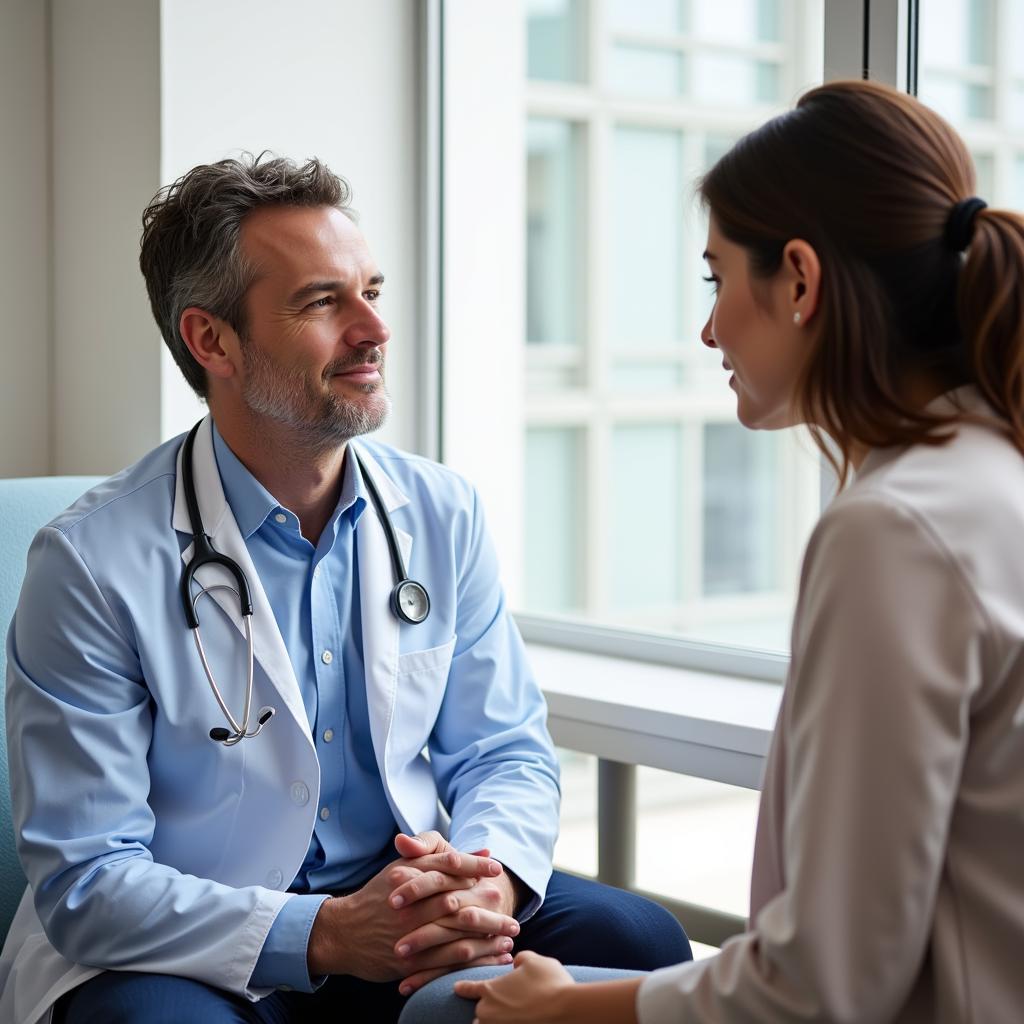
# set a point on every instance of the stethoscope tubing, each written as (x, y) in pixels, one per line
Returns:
(406, 592)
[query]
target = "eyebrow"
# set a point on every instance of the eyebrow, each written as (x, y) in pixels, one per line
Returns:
(315, 287)
(709, 255)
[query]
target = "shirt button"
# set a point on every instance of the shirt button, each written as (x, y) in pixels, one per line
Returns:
(281, 517)
(274, 879)
(328, 735)
(300, 793)
(327, 657)
(324, 813)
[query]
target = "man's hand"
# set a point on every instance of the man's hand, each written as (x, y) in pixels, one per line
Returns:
(361, 934)
(490, 903)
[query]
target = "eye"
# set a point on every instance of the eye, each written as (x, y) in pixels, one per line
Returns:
(321, 303)
(714, 280)
(372, 295)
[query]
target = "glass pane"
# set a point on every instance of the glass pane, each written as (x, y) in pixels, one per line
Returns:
(644, 552)
(554, 40)
(554, 525)
(1016, 106)
(1011, 26)
(655, 16)
(957, 57)
(576, 848)
(643, 71)
(985, 172)
(644, 378)
(716, 146)
(955, 100)
(735, 21)
(646, 237)
(957, 32)
(695, 839)
(740, 473)
(769, 21)
(731, 81)
(553, 242)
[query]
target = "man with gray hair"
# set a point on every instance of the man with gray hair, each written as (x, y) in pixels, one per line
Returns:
(388, 812)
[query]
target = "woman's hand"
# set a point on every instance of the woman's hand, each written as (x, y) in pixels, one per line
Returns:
(533, 993)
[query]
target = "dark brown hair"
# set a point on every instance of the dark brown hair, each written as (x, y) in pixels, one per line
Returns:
(869, 176)
(190, 238)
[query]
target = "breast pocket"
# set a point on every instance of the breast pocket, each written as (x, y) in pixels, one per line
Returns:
(422, 676)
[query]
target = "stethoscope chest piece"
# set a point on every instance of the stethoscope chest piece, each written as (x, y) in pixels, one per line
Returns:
(409, 601)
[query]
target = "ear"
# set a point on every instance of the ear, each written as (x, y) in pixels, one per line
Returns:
(212, 342)
(801, 280)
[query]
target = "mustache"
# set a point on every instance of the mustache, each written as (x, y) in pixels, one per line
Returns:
(374, 358)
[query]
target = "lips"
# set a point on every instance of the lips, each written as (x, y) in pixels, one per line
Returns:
(368, 373)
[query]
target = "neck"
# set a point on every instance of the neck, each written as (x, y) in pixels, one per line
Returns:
(304, 477)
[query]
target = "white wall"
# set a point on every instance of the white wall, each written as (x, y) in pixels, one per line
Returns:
(141, 91)
(106, 120)
(337, 80)
(24, 240)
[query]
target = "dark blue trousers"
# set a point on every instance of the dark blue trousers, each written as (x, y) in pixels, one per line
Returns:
(581, 922)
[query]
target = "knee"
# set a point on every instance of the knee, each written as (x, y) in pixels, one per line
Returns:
(438, 1001)
(642, 935)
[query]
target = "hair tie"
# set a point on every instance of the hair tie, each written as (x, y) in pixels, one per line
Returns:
(960, 226)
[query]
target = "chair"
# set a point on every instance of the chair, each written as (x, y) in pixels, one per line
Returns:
(25, 506)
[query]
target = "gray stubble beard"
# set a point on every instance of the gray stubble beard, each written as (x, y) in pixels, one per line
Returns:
(322, 419)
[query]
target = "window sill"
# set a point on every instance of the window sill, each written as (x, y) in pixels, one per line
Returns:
(701, 724)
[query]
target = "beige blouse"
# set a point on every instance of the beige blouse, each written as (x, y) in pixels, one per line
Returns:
(888, 880)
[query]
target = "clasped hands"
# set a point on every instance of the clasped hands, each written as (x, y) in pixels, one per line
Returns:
(432, 911)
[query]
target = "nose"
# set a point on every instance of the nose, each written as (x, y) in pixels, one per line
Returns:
(706, 336)
(370, 331)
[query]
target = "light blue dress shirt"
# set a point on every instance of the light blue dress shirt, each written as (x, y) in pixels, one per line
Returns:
(314, 593)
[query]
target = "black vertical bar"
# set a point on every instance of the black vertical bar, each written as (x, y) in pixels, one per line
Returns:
(866, 47)
(913, 41)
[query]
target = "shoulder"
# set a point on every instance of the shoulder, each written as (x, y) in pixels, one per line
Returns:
(966, 497)
(937, 516)
(136, 500)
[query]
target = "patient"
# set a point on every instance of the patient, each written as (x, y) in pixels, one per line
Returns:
(863, 290)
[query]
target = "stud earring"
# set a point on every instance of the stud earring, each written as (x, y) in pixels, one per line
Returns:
(796, 318)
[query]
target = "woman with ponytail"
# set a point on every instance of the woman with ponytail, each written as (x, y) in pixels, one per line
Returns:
(865, 291)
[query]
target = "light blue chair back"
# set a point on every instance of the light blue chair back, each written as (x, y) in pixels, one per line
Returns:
(25, 506)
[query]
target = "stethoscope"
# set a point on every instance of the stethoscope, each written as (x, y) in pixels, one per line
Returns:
(409, 600)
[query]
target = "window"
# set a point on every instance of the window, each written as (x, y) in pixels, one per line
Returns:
(621, 490)
(972, 72)
(646, 504)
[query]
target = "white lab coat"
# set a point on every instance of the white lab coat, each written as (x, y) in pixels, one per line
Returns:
(223, 830)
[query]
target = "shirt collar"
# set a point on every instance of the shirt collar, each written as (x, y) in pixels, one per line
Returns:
(251, 503)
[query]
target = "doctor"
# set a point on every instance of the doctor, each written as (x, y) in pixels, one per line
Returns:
(209, 838)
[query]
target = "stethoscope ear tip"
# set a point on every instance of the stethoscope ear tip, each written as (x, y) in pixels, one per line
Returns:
(265, 714)
(219, 735)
